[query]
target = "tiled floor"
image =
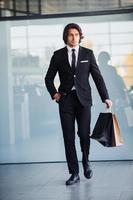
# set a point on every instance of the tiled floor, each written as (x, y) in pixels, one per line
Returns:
(46, 181)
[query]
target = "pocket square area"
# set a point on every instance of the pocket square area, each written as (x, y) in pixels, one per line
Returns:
(84, 61)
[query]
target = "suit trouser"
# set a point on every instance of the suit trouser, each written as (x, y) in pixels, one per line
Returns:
(70, 109)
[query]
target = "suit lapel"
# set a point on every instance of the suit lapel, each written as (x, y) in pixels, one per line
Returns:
(80, 55)
(66, 61)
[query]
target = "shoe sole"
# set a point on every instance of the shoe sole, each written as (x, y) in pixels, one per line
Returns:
(90, 176)
(78, 180)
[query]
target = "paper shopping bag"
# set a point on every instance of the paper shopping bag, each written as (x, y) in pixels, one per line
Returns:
(107, 130)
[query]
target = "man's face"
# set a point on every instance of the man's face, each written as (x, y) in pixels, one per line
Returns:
(73, 37)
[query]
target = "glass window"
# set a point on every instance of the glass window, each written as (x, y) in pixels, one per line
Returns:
(121, 27)
(33, 125)
(121, 38)
(121, 49)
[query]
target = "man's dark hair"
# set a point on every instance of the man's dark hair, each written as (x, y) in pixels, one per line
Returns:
(70, 26)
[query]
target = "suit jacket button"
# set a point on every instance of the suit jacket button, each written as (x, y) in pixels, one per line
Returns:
(74, 75)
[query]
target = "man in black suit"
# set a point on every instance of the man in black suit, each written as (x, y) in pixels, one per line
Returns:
(74, 65)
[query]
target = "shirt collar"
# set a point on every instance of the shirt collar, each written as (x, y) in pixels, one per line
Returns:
(70, 48)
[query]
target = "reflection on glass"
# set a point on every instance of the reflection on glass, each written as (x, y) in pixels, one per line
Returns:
(116, 86)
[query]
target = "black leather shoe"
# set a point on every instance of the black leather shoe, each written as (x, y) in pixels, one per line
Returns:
(74, 178)
(87, 171)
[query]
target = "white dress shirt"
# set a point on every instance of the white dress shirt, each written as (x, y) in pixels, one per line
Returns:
(70, 54)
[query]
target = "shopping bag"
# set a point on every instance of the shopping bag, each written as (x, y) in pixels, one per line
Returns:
(107, 130)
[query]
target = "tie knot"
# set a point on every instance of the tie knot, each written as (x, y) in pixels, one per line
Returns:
(73, 50)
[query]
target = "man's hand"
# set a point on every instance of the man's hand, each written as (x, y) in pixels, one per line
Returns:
(57, 96)
(108, 103)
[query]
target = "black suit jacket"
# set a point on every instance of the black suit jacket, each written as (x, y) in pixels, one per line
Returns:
(86, 65)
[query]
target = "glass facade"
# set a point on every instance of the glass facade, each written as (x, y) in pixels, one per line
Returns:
(30, 127)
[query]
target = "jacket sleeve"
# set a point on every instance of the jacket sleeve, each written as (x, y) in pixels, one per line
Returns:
(98, 79)
(50, 75)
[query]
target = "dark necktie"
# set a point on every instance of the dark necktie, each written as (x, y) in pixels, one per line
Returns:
(73, 60)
